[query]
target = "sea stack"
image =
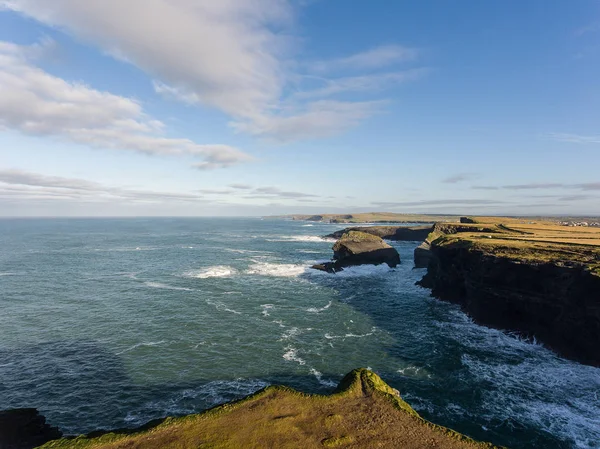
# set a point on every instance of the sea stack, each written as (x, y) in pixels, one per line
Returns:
(360, 248)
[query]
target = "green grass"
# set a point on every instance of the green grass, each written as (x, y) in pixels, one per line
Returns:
(363, 412)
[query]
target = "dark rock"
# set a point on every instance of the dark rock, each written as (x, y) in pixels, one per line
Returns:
(398, 233)
(359, 248)
(24, 429)
(467, 220)
(422, 255)
(558, 305)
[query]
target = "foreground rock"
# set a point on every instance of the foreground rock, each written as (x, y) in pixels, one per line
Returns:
(538, 280)
(25, 429)
(397, 233)
(364, 412)
(359, 248)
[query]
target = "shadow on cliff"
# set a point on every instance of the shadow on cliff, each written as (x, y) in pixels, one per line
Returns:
(430, 340)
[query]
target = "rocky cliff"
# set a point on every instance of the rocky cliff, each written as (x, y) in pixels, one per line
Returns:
(545, 290)
(359, 248)
(25, 429)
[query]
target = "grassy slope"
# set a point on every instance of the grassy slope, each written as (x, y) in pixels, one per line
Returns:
(364, 413)
(537, 242)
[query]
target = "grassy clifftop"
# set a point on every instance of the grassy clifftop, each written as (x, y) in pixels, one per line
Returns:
(534, 242)
(364, 412)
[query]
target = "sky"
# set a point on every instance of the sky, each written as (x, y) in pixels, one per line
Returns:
(261, 107)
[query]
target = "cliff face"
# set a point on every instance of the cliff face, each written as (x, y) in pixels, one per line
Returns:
(557, 304)
(25, 429)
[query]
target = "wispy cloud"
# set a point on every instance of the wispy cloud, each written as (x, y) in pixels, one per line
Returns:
(443, 202)
(365, 83)
(231, 55)
(36, 103)
(543, 186)
(459, 177)
(549, 185)
(373, 58)
(590, 28)
(575, 138)
(277, 192)
(23, 185)
(240, 186)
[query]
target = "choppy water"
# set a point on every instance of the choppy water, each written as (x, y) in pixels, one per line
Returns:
(109, 323)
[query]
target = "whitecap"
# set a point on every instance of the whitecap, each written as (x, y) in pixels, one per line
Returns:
(317, 310)
(302, 238)
(291, 332)
(222, 307)
(138, 345)
(217, 271)
(291, 355)
(319, 376)
(277, 270)
(165, 286)
(364, 270)
(266, 308)
(308, 225)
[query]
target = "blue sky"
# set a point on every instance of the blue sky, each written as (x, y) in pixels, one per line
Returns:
(256, 107)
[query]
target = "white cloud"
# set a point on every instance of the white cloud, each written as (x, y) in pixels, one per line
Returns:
(374, 58)
(35, 102)
(365, 83)
(234, 55)
(224, 52)
(23, 185)
(320, 119)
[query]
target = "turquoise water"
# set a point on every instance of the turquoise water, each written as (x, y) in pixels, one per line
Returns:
(109, 323)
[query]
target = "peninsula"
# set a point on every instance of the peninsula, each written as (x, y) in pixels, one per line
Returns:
(363, 412)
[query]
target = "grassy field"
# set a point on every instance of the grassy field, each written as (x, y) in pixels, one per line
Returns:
(364, 413)
(527, 240)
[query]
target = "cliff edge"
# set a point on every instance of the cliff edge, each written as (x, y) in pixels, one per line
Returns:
(540, 280)
(364, 412)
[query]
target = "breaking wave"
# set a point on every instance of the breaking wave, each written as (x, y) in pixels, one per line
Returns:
(217, 271)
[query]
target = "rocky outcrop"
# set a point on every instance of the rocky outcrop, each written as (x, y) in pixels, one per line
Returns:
(397, 233)
(422, 255)
(359, 248)
(24, 429)
(557, 304)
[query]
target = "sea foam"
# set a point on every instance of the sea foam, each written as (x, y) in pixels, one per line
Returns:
(217, 271)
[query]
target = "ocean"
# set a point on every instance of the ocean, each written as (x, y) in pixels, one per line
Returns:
(109, 323)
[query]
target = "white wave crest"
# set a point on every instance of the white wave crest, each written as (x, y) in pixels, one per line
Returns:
(291, 355)
(308, 225)
(166, 287)
(217, 271)
(302, 238)
(292, 332)
(222, 307)
(266, 308)
(365, 270)
(138, 345)
(277, 270)
(317, 310)
(319, 376)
